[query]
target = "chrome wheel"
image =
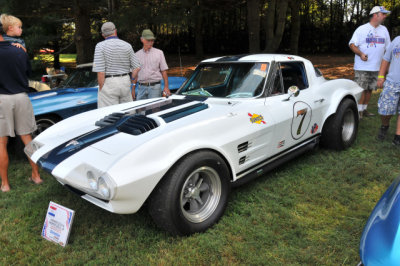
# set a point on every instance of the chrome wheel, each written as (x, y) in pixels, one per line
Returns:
(200, 194)
(349, 125)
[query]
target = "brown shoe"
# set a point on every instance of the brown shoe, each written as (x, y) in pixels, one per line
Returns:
(360, 115)
(367, 114)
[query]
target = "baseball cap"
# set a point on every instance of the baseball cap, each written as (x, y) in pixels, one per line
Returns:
(107, 28)
(377, 9)
(148, 35)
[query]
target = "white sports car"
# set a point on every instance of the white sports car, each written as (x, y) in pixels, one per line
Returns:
(234, 119)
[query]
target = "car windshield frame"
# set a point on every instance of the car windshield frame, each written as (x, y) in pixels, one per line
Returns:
(81, 77)
(227, 80)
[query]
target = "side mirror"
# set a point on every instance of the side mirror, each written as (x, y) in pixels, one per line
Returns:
(293, 91)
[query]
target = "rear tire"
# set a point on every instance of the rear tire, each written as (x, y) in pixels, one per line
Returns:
(193, 195)
(340, 130)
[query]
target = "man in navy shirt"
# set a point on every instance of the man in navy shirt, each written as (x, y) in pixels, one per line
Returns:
(16, 113)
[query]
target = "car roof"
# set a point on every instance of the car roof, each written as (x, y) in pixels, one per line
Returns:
(255, 58)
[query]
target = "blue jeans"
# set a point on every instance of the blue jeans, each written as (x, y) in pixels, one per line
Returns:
(148, 92)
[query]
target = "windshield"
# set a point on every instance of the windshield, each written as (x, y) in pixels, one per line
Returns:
(227, 80)
(81, 78)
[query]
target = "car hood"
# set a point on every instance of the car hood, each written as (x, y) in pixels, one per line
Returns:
(139, 122)
(380, 241)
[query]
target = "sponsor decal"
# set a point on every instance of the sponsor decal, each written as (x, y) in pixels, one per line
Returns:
(291, 57)
(256, 119)
(314, 128)
(281, 144)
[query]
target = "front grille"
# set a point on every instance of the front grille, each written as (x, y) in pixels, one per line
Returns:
(137, 124)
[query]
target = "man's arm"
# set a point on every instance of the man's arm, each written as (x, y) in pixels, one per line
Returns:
(101, 77)
(382, 73)
(358, 52)
(166, 91)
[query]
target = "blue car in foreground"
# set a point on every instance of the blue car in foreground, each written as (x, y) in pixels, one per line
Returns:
(77, 94)
(380, 241)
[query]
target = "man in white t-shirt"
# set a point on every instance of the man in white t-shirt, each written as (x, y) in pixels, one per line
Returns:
(369, 43)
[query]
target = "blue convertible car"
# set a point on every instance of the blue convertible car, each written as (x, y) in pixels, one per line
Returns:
(380, 241)
(77, 94)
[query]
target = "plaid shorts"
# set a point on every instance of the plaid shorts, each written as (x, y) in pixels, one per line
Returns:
(388, 103)
(366, 79)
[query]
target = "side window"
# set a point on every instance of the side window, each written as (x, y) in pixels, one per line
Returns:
(277, 86)
(293, 74)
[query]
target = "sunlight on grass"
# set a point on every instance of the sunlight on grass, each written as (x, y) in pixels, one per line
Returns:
(64, 58)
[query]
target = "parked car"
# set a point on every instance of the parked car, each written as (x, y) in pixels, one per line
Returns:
(380, 244)
(77, 94)
(233, 120)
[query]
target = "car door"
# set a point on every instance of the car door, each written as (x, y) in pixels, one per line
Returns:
(296, 118)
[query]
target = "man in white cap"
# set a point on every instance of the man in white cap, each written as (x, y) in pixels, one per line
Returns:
(369, 43)
(115, 63)
(153, 69)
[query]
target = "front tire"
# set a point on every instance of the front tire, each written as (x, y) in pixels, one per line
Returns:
(340, 130)
(193, 195)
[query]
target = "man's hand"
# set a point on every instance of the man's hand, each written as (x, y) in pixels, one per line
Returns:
(364, 57)
(166, 92)
(380, 82)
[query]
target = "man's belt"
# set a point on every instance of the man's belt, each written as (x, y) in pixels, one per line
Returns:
(118, 75)
(148, 84)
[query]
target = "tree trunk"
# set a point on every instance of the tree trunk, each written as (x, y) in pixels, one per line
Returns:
(198, 30)
(83, 37)
(275, 25)
(253, 24)
(295, 27)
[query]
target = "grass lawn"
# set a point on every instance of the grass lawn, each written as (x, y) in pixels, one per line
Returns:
(64, 58)
(309, 212)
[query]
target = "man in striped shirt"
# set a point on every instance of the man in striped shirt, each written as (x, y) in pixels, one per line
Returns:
(115, 63)
(153, 69)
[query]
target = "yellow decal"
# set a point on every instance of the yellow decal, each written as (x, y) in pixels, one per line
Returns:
(257, 119)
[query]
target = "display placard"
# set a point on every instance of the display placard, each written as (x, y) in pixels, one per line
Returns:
(57, 225)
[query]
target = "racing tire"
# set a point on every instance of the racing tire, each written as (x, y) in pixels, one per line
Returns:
(340, 130)
(44, 123)
(193, 195)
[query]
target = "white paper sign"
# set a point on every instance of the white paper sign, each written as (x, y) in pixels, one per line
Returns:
(57, 224)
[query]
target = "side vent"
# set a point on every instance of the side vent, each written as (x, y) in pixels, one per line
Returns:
(243, 147)
(137, 124)
(109, 120)
(242, 160)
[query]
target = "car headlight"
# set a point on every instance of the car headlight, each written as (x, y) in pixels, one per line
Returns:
(101, 185)
(103, 188)
(92, 180)
(32, 147)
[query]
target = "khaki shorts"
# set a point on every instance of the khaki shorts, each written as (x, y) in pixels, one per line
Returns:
(16, 115)
(116, 90)
(366, 79)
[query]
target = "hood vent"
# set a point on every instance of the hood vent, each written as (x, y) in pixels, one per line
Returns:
(109, 120)
(137, 124)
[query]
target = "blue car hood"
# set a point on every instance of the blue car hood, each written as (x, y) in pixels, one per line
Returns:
(380, 241)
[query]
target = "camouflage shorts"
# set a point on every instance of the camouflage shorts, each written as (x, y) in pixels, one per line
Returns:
(366, 79)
